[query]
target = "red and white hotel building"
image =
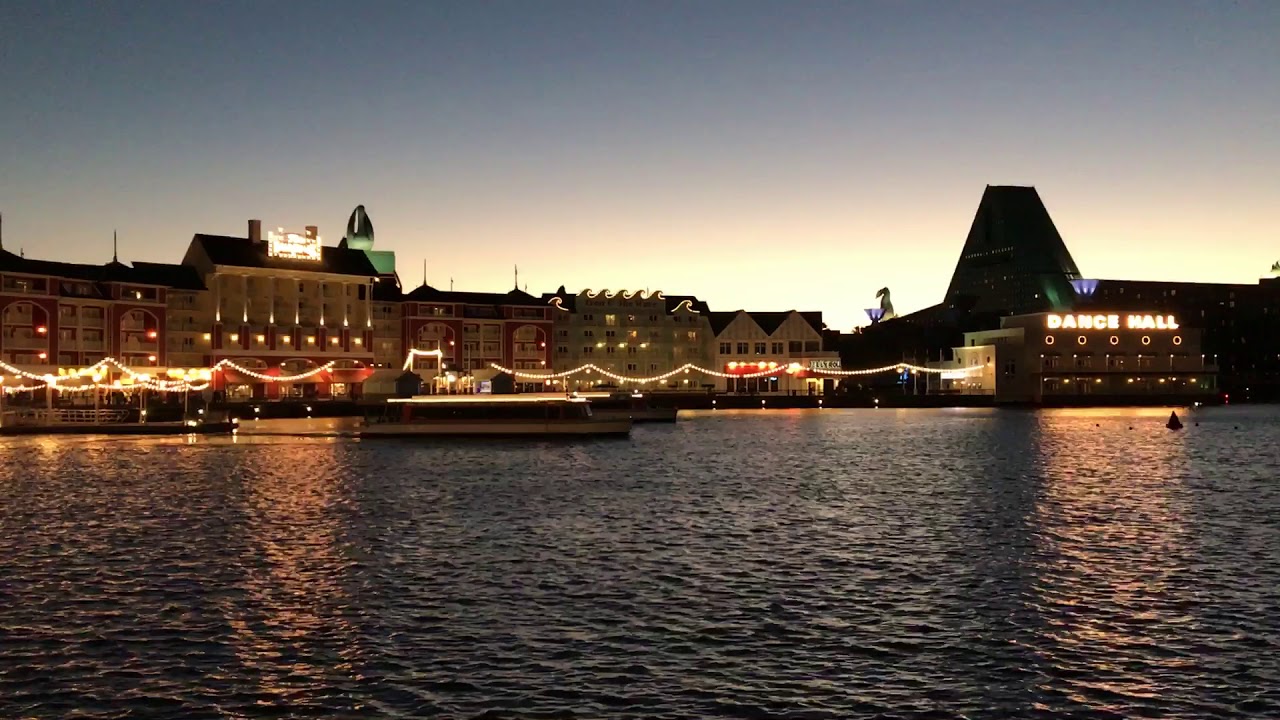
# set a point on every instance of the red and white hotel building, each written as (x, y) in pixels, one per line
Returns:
(277, 307)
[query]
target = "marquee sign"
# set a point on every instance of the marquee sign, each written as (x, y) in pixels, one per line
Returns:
(1110, 322)
(824, 364)
(292, 246)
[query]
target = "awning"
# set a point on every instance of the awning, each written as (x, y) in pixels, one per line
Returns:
(485, 374)
(382, 381)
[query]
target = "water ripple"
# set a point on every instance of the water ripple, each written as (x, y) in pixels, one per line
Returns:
(739, 564)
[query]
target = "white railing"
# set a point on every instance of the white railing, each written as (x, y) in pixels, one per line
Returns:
(44, 417)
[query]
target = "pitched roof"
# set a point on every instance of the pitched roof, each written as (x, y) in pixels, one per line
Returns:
(141, 273)
(243, 252)
(720, 320)
(769, 322)
(426, 293)
(174, 275)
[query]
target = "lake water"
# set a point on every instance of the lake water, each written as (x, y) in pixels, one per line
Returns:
(806, 564)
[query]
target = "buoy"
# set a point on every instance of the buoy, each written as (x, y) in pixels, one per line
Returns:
(1174, 423)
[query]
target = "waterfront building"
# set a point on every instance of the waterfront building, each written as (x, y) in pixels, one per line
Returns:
(1081, 358)
(475, 331)
(752, 342)
(631, 333)
(57, 314)
(1240, 323)
(1014, 262)
(283, 304)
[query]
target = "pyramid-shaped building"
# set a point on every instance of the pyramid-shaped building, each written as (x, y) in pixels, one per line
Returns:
(1014, 261)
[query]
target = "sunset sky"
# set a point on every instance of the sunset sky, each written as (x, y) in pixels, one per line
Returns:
(761, 155)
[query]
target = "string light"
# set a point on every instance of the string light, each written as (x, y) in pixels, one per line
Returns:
(182, 381)
(687, 367)
(414, 352)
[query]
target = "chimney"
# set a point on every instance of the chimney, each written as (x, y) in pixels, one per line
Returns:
(313, 232)
(255, 230)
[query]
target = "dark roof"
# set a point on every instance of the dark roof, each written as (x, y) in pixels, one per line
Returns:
(387, 290)
(141, 273)
(674, 301)
(720, 320)
(569, 301)
(243, 252)
(182, 277)
(426, 293)
(769, 322)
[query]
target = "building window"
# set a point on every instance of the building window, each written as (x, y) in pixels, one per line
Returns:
(611, 320)
(609, 350)
(653, 318)
(632, 334)
(726, 348)
(631, 367)
(563, 350)
(610, 333)
(776, 348)
(1010, 368)
(812, 346)
(795, 346)
(562, 333)
(760, 348)
(693, 335)
(588, 333)
(588, 350)
(744, 348)
(589, 318)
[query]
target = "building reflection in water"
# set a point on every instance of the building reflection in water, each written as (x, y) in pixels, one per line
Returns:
(1111, 536)
(289, 622)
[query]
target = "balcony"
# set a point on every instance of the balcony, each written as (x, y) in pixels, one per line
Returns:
(140, 346)
(19, 342)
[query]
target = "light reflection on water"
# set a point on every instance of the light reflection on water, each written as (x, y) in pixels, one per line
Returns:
(745, 563)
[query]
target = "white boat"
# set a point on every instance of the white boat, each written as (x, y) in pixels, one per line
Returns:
(628, 405)
(489, 416)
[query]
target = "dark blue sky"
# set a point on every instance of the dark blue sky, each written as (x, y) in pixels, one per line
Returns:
(762, 155)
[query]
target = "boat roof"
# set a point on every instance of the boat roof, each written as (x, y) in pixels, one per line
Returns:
(483, 399)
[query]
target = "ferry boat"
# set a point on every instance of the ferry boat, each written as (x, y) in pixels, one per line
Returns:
(489, 416)
(628, 405)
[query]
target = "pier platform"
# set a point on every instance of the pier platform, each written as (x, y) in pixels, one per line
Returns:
(157, 428)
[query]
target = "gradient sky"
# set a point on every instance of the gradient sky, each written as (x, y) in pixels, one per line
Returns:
(761, 155)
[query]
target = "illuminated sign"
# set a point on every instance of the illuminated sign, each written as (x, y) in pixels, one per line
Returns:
(292, 246)
(1111, 322)
(954, 374)
(824, 364)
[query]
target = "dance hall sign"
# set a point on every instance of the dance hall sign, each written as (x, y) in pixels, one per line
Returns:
(1111, 322)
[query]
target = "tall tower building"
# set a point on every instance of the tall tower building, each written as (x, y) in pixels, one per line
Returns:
(1014, 261)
